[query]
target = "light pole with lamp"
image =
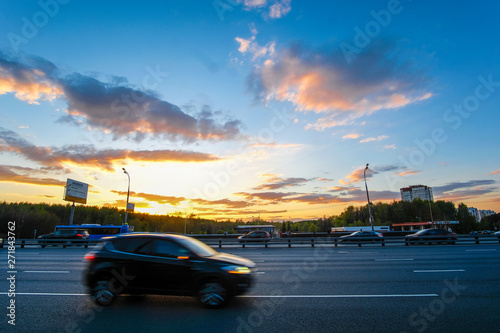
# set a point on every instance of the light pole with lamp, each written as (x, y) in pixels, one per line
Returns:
(128, 195)
(368, 198)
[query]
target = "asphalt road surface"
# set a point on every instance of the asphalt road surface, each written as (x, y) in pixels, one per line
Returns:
(438, 288)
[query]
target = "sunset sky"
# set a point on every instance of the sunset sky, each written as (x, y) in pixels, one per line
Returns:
(238, 108)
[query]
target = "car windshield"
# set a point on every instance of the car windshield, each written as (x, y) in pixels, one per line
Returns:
(197, 247)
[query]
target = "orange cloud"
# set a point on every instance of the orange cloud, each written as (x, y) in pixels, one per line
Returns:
(111, 107)
(161, 199)
(276, 183)
(89, 156)
(123, 203)
(7, 175)
(224, 202)
(341, 188)
(325, 179)
(30, 85)
(351, 136)
(407, 173)
(355, 177)
(319, 81)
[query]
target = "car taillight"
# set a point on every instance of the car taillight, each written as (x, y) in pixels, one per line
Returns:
(89, 257)
(79, 235)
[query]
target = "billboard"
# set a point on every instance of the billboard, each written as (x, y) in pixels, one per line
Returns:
(76, 191)
(130, 207)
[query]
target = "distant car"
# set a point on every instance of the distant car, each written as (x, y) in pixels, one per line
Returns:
(164, 264)
(432, 236)
(362, 236)
(65, 234)
(486, 232)
(473, 233)
(255, 236)
(497, 233)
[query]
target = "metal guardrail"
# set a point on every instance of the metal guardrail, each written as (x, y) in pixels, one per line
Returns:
(279, 242)
(52, 242)
(359, 241)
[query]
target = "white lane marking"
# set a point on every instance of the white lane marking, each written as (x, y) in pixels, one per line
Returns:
(337, 296)
(408, 259)
(438, 270)
(51, 272)
(256, 296)
(46, 294)
(483, 250)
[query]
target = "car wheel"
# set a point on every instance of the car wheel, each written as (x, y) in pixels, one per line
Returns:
(212, 294)
(101, 293)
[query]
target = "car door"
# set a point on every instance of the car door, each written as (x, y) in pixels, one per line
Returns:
(166, 267)
(130, 274)
(441, 234)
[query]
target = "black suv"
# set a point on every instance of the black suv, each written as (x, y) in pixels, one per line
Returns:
(64, 234)
(165, 264)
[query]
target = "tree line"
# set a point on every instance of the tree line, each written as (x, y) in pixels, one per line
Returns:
(37, 219)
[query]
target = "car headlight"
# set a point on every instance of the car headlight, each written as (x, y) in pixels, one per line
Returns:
(237, 269)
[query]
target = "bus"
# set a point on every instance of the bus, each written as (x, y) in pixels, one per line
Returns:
(243, 229)
(97, 231)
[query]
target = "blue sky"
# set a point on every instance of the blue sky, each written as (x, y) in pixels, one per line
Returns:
(238, 108)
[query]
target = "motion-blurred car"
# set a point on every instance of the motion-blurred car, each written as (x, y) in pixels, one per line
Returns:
(65, 234)
(362, 236)
(255, 236)
(497, 233)
(165, 264)
(432, 236)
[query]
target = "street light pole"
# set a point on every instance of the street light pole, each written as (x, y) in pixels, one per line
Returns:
(368, 198)
(128, 194)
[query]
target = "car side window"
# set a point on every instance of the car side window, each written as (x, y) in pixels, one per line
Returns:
(129, 245)
(164, 248)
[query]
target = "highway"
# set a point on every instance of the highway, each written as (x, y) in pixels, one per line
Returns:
(438, 288)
